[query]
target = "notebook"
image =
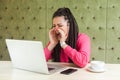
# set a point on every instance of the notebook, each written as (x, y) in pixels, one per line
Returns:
(29, 55)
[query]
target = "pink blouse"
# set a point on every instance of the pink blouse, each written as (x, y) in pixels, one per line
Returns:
(80, 56)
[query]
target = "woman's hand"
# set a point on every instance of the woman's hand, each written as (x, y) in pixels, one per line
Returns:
(53, 36)
(53, 39)
(62, 35)
(56, 35)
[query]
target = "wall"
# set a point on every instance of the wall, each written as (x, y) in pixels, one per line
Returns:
(31, 20)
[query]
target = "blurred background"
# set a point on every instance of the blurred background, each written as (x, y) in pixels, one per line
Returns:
(32, 19)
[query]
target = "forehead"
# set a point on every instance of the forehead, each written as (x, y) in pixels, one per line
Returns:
(59, 19)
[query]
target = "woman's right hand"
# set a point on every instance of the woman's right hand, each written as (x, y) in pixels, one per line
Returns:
(53, 39)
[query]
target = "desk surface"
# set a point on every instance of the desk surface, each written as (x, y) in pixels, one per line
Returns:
(7, 72)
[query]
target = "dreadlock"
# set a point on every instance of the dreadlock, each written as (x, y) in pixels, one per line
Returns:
(73, 31)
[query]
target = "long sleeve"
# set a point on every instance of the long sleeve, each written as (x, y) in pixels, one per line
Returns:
(47, 53)
(81, 55)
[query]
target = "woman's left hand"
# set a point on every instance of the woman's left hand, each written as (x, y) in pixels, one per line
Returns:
(62, 35)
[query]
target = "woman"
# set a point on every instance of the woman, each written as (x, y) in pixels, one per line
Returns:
(66, 43)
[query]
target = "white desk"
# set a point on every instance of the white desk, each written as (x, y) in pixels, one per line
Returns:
(7, 72)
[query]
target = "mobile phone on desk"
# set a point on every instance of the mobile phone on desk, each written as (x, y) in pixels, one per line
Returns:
(68, 71)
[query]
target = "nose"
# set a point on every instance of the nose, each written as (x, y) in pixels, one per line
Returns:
(56, 27)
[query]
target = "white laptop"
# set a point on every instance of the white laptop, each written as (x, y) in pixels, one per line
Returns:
(29, 55)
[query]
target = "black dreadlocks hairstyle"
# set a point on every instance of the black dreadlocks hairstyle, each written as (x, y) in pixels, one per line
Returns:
(73, 32)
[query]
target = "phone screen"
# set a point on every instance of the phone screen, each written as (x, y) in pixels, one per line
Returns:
(68, 71)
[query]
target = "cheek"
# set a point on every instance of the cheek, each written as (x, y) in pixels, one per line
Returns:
(67, 29)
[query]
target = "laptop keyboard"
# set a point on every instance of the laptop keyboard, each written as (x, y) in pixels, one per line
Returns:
(53, 67)
(50, 69)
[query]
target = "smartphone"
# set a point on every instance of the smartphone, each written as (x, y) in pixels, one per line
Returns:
(68, 71)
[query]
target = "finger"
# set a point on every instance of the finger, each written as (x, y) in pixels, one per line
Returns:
(62, 32)
(61, 29)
